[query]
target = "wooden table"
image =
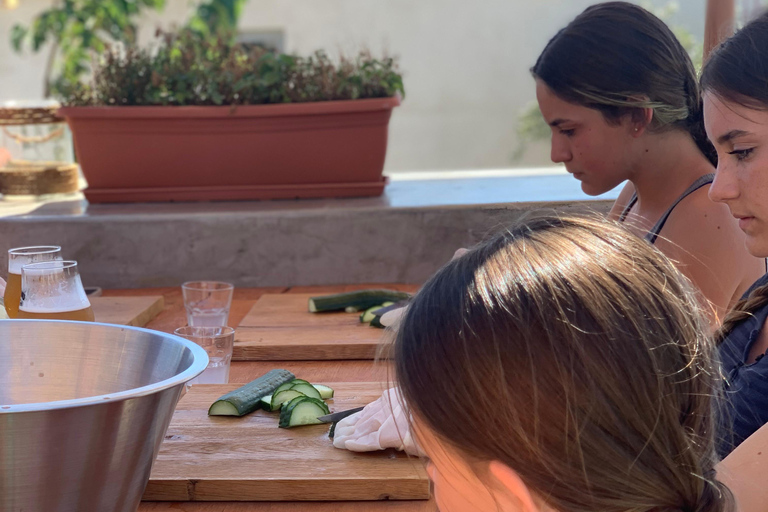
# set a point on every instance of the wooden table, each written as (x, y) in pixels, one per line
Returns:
(173, 316)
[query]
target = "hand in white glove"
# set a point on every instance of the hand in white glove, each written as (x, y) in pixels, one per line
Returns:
(382, 424)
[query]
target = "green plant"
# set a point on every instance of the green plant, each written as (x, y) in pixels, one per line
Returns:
(188, 68)
(81, 29)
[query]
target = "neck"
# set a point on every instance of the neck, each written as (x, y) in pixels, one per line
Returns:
(668, 164)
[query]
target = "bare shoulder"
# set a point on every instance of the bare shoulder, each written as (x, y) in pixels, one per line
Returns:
(622, 201)
(708, 245)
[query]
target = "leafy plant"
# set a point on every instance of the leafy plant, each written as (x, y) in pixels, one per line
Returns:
(188, 68)
(80, 29)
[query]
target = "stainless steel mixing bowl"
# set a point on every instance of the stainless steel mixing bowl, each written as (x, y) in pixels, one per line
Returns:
(83, 410)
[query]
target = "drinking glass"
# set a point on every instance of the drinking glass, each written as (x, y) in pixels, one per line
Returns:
(207, 303)
(52, 290)
(17, 258)
(218, 342)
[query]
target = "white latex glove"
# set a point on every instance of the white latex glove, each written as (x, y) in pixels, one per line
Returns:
(391, 318)
(382, 424)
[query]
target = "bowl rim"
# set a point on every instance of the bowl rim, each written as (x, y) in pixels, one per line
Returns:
(199, 363)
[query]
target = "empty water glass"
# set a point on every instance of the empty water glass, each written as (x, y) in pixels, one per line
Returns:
(218, 343)
(207, 303)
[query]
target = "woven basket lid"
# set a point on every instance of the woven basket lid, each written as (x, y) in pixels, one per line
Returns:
(29, 115)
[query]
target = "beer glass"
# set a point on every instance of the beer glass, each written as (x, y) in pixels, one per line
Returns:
(52, 290)
(17, 258)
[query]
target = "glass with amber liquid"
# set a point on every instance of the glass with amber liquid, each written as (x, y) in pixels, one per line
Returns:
(17, 258)
(52, 290)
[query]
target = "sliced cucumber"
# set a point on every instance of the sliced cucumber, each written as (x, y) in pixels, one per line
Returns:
(283, 387)
(325, 391)
(299, 381)
(368, 314)
(307, 389)
(247, 398)
(303, 412)
(278, 399)
(266, 403)
(359, 300)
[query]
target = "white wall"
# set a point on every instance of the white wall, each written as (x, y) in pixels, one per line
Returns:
(465, 63)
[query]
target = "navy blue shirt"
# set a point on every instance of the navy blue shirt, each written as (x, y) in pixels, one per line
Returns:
(746, 386)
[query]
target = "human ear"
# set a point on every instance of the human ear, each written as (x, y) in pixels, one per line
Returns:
(640, 120)
(514, 485)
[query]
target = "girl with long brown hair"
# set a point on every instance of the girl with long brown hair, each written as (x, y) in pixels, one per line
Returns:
(562, 366)
(621, 96)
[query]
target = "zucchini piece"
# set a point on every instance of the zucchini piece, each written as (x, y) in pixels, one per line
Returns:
(307, 389)
(325, 391)
(304, 411)
(247, 398)
(360, 300)
(278, 399)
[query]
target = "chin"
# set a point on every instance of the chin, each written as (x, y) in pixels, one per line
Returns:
(593, 190)
(757, 246)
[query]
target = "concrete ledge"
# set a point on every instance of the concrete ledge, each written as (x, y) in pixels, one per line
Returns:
(278, 243)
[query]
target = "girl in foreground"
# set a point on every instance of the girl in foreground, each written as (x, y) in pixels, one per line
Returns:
(559, 367)
(621, 97)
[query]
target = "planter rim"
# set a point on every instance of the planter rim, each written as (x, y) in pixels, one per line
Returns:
(228, 111)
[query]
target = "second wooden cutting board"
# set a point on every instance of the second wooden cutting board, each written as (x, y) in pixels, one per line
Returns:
(207, 458)
(280, 327)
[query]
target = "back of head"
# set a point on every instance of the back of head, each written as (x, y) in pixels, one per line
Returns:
(574, 345)
(617, 57)
(737, 70)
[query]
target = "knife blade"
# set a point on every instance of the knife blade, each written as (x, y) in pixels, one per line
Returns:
(336, 416)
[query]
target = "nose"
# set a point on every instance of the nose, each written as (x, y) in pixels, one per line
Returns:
(561, 151)
(725, 187)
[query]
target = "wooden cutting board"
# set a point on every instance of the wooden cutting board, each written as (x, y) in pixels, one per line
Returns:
(218, 458)
(280, 328)
(135, 311)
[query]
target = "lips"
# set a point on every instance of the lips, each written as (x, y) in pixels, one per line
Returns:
(744, 221)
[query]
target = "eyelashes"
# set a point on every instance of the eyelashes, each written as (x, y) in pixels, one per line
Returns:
(741, 154)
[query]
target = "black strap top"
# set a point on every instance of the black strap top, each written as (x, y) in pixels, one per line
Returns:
(653, 234)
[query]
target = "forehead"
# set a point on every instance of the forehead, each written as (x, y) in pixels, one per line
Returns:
(722, 116)
(553, 107)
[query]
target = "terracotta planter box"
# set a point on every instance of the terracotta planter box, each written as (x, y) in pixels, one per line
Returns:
(323, 149)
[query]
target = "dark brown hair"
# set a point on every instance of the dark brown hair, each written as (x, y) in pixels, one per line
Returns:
(616, 57)
(571, 351)
(737, 71)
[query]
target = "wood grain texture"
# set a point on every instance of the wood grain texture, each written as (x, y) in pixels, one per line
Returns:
(280, 327)
(250, 459)
(135, 311)
(350, 506)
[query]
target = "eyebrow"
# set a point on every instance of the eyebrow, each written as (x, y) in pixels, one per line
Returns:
(730, 136)
(558, 122)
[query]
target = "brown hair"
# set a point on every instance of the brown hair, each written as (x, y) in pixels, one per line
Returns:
(616, 57)
(737, 71)
(567, 349)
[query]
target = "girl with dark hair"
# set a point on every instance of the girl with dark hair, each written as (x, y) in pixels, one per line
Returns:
(621, 97)
(562, 366)
(735, 90)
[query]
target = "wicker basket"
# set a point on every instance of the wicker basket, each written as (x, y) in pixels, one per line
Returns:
(38, 178)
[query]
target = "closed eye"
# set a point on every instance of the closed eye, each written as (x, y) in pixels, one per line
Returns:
(567, 133)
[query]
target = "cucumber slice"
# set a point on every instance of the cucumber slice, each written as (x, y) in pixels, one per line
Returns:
(299, 381)
(266, 403)
(280, 398)
(369, 313)
(303, 412)
(325, 391)
(247, 398)
(307, 389)
(359, 300)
